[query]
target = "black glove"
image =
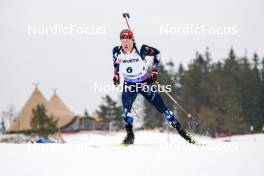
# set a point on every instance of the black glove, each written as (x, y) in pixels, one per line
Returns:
(116, 79)
(154, 75)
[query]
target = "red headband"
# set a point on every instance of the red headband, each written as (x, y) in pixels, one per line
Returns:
(126, 35)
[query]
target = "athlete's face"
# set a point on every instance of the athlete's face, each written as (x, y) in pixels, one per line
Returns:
(127, 45)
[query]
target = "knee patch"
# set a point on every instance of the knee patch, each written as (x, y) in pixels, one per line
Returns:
(169, 116)
(172, 118)
(127, 117)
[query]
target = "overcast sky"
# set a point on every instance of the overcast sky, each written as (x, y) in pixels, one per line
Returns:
(72, 63)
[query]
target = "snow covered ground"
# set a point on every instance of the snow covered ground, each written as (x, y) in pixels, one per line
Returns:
(154, 154)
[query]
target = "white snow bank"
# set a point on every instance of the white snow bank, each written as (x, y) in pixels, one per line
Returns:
(154, 154)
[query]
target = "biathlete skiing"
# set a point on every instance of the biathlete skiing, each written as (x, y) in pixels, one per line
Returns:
(129, 60)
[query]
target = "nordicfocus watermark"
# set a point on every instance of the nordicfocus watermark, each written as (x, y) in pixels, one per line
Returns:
(60, 29)
(191, 29)
(106, 88)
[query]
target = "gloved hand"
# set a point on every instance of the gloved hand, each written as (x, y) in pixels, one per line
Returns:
(154, 75)
(116, 79)
(189, 115)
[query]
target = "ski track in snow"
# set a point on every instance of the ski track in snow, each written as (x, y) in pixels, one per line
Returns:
(154, 154)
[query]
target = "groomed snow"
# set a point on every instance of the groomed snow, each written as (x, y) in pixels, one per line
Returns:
(154, 154)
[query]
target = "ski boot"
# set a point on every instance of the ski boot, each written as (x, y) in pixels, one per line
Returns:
(182, 132)
(186, 135)
(129, 139)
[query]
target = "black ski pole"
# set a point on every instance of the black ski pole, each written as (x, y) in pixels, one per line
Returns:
(173, 99)
(126, 16)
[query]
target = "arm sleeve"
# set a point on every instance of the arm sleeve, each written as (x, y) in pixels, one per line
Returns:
(115, 60)
(151, 51)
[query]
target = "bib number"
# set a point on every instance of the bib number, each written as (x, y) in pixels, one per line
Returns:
(129, 70)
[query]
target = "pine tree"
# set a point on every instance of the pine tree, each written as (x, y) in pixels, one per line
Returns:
(86, 112)
(111, 113)
(192, 93)
(211, 92)
(250, 98)
(3, 127)
(41, 123)
(262, 90)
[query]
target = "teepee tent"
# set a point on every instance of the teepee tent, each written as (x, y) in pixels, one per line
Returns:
(60, 111)
(23, 119)
(54, 107)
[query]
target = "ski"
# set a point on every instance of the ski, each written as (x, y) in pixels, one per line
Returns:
(189, 138)
(123, 145)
